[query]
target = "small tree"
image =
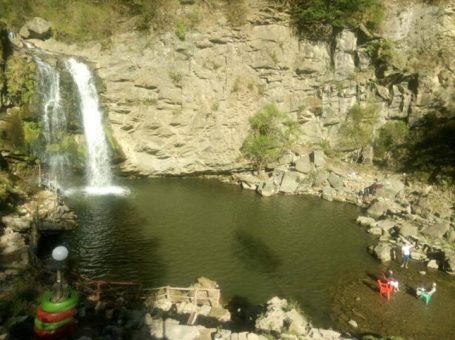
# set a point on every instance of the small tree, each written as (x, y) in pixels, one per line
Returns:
(272, 134)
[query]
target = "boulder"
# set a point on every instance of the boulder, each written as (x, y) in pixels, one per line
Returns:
(267, 188)
(385, 225)
(375, 231)
(418, 255)
(327, 193)
(366, 221)
(175, 331)
(389, 188)
(432, 264)
(408, 230)
(303, 164)
(318, 158)
(204, 282)
(335, 180)
(297, 323)
(436, 230)
(383, 251)
(323, 334)
(247, 181)
(273, 320)
(290, 182)
(379, 208)
(37, 28)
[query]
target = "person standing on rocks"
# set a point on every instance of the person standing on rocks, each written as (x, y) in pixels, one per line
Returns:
(406, 253)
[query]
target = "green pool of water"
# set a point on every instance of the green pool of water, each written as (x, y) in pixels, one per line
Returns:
(172, 231)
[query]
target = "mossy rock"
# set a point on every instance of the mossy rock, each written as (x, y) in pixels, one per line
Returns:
(21, 80)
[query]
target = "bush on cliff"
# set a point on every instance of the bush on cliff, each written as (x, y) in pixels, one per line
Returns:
(319, 19)
(389, 144)
(272, 133)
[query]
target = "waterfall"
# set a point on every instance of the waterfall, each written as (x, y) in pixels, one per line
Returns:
(98, 167)
(58, 152)
(54, 122)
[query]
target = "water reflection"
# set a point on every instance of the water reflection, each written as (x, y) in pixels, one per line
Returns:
(254, 253)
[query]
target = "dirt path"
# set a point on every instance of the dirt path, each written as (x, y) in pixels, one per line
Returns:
(404, 315)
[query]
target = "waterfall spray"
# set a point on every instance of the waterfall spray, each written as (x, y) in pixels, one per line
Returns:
(54, 122)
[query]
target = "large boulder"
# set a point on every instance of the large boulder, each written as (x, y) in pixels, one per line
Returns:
(366, 221)
(37, 28)
(436, 230)
(379, 208)
(297, 323)
(175, 331)
(267, 188)
(389, 188)
(303, 164)
(383, 251)
(335, 180)
(318, 158)
(408, 230)
(290, 182)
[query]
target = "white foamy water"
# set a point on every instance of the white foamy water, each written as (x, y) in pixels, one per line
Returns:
(98, 191)
(54, 122)
(98, 162)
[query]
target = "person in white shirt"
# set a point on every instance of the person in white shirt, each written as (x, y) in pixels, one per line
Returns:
(406, 253)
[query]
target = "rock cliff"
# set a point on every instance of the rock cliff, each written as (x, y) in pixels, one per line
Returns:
(180, 105)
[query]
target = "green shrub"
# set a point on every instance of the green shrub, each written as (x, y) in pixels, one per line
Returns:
(272, 134)
(236, 12)
(382, 53)
(180, 30)
(319, 19)
(390, 139)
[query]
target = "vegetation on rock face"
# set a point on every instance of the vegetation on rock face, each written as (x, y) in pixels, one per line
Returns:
(272, 134)
(319, 19)
(32, 132)
(20, 78)
(356, 132)
(390, 141)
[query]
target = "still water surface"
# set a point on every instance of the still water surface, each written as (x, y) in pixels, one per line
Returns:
(172, 231)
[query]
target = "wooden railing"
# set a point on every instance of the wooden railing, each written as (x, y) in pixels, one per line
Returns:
(194, 295)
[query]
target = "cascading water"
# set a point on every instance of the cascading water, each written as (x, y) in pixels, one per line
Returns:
(54, 123)
(98, 161)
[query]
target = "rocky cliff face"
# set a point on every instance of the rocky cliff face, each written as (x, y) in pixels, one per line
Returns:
(182, 106)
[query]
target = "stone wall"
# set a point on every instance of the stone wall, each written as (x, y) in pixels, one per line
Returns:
(182, 106)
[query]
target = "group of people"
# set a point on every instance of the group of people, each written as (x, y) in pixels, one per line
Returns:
(393, 282)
